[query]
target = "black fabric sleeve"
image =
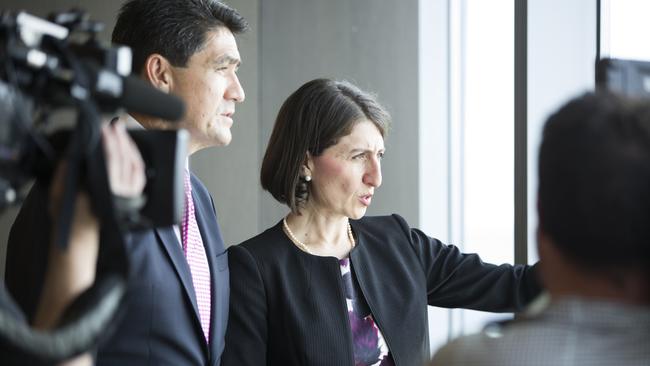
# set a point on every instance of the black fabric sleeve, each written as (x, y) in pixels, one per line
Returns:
(246, 334)
(458, 280)
(28, 250)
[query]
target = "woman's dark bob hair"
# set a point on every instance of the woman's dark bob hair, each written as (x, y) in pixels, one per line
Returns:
(312, 119)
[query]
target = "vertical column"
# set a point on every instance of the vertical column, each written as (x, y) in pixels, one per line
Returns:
(434, 131)
(521, 131)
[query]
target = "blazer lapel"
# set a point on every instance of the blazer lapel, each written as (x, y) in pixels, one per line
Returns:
(175, 251)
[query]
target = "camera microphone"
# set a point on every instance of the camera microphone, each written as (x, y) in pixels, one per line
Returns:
(135, 95)
(140, 97)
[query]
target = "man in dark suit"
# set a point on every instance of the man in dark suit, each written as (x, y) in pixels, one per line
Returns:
(179, 290)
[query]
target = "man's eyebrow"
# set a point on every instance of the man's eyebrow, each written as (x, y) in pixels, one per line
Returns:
(227, 59)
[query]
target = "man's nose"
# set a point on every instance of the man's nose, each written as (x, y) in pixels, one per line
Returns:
(235, 90)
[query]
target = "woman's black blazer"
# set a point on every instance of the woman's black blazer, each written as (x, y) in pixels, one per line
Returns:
(287, 307)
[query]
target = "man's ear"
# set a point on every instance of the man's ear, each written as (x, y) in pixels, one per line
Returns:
(158, 71)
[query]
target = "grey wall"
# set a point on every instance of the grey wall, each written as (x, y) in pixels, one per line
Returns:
(372, 43)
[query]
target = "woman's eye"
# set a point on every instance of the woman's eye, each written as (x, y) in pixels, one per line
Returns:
(380, 155)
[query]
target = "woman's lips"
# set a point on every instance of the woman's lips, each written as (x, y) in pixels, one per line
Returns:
(365, 199)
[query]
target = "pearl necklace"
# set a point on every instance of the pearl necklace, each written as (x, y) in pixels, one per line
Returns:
(304, 247)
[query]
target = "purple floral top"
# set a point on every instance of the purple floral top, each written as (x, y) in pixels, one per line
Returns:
(367, 341)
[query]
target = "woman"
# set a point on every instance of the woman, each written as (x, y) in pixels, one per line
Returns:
(328, 286)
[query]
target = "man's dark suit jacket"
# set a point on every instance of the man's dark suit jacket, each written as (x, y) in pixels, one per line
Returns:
(160, 324)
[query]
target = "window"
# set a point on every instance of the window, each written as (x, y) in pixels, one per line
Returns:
(484, 122)
(466, 105)
(625, 29)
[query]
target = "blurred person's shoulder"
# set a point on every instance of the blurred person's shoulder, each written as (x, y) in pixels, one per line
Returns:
(508, 342)
(584, 332)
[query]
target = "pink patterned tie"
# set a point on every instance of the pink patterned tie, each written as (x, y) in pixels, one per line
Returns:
(196, 258)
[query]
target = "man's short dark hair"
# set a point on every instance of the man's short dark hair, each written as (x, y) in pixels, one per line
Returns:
(594, 181)
(175, 29)
(312, 119)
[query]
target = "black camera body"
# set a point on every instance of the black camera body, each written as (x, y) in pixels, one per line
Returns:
(46, 66)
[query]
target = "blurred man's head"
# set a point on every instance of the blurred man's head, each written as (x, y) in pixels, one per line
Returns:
(594, 197)
(188, 48)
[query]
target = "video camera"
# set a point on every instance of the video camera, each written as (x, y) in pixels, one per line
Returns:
(51, 65)
(58, 64)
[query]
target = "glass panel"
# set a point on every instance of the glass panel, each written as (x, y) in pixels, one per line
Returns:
(488, 138)
(626, 29)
